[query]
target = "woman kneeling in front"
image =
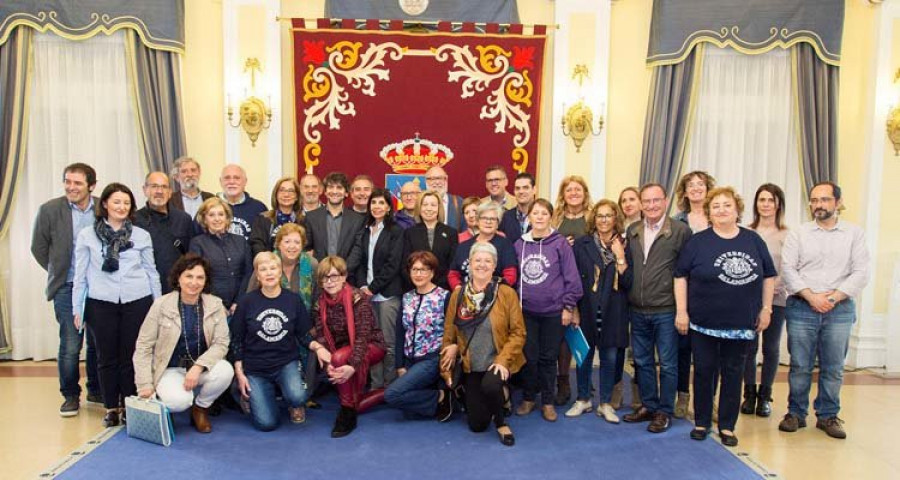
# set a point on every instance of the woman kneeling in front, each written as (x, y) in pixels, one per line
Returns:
(268, 328)
(491, 350)
(180, 351)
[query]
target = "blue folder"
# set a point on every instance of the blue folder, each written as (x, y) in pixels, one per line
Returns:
(577, 344)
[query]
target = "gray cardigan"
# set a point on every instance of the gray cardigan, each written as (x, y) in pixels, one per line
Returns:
(52, 241)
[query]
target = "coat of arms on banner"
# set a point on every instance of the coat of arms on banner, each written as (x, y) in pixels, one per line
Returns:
(413, 7)
(409, 160)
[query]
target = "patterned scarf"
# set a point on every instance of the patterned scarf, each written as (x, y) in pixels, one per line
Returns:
(474, 306)
(304, 272)
(282, 218)
(606, 253)
(113, 242)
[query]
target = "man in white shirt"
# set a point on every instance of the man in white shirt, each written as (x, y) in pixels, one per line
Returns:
(825, 265)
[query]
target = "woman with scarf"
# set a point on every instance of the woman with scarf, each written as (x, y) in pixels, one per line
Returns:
(114, 286)
(605, 278)
(287, 208)
(484, 327)
(346, 326)
(228, 254)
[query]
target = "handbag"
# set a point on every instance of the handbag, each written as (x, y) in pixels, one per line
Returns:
(149, 420)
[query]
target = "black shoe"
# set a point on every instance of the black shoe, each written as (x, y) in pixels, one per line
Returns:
(445, 407)
(699, 434)
(344, 423)
(95, 398)
(563, 391)
(70, 407)
(660, 423)
(214, 410)
(749, 404)
(728, 440)
(764, 402)
(507, 439)
(111, 419)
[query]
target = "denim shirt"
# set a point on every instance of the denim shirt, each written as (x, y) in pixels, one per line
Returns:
(135, 279)
(80, 220)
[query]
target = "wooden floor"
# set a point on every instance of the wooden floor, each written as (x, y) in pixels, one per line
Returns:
(35, 437)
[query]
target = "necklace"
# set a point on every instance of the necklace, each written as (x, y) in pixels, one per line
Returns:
(199, 316)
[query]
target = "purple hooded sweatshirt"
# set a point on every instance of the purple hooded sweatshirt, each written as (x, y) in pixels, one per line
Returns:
(548, 278)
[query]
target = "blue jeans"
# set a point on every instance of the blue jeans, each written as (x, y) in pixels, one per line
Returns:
(827, 335)
(70, 341)
(649, 330)
(263, 408)
(416, 391)
(610, 373)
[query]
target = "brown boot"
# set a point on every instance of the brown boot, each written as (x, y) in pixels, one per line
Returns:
(200, 419)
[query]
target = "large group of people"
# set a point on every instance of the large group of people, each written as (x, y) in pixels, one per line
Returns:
(437, 304)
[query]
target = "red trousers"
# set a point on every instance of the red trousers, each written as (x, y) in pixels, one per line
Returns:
(351, 391)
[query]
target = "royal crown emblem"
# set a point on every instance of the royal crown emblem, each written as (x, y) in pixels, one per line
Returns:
(415, 155)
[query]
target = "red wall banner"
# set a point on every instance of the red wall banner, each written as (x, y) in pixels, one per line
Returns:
(393, 103)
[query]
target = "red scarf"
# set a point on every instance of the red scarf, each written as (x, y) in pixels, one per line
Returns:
(345, 298)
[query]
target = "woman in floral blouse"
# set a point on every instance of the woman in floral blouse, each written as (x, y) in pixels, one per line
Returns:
(420, 332)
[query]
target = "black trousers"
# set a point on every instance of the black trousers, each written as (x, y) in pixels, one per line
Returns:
(115, 328)
(484, 400)
(543, 334)
(717, 357)
(684, 363)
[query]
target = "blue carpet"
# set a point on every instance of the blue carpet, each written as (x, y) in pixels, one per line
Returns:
(385, 445)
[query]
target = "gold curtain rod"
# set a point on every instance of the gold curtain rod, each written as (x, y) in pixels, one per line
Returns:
(431, 22)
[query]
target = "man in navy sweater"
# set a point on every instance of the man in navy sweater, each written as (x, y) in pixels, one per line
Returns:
(245, 208)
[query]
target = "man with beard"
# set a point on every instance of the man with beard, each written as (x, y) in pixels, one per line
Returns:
(244, 207)
(170, 229)
(825, 265)
(56, 227)
(333, 230)
(187, 173)
(311, 190)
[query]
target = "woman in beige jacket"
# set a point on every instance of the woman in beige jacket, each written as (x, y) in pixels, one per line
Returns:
(178, 357)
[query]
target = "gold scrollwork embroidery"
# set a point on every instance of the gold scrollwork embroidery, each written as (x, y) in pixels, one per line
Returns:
(349, 53)
(311, 154)
(520, 92)
(313, 88)
(487, 58)
(520, 159)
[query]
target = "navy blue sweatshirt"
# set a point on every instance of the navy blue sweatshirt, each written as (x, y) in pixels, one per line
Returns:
(245, 214)
(266, 332)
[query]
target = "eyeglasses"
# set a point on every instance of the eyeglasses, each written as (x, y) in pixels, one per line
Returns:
(606, 216)
(334, 277)
(816, 201)
(157, 186)
(696, 184)
(439, 178)
(494, 180)
(653, 201)
(286, 190)
(420, 270)
(489, 219)
(406, 194)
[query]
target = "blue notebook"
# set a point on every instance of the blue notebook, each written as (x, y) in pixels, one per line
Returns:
(149, 420)
(577, 344)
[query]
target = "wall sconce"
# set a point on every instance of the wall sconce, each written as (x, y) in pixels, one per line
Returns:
(254, 115)
(578, 119)
(893, 122)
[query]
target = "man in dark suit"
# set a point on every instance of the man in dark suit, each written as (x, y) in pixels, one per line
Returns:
(187, 173)
(52, 243)
(333, 230)
(515, 220)
(436, 179)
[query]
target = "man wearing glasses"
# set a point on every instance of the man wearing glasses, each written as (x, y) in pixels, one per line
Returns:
(825, 265)
(654, 245)
(495, 181)
(436, 179)
(409, 195)
(170, 229)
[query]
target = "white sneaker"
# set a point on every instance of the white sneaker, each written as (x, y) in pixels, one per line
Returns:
(579, 407)
(606, 411)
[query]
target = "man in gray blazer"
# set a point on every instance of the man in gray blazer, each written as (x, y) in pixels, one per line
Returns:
(333, 230)
(52, 244)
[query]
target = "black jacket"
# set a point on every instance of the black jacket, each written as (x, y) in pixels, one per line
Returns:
(602, 290)
(387, 259)
(171, 236)
(510, 227)
(262, 234)
(230, 262)
(178, 203)
(446, 239)
(317, 235)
